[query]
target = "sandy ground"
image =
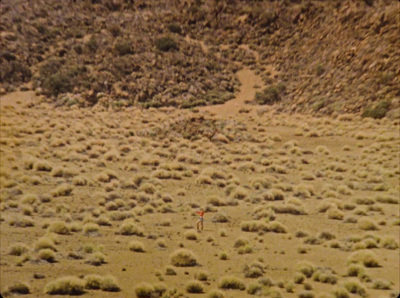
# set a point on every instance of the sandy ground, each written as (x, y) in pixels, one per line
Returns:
(342, 174)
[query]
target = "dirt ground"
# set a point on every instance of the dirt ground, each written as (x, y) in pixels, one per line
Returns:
(293, 188)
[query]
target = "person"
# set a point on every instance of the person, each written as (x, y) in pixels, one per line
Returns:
(199, 224)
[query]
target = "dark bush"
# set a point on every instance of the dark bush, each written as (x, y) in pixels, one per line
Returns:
(123, 47)
(57, 83)
(166, 44)
(115, 30)
(378, 111)
(269, 95)
(175, 28)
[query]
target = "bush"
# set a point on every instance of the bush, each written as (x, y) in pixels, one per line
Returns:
(19, 288)
(355, 287)
(123, 47)
(367, 225)
(175, 28)
(144, 290)
(231, 282)
(269, 95)
(254, 289)
(59, 227)
(306, 268)
(191, 235)
(365, 257)
(166, 44)
(136, 246)
(93, 282)
(216, 294)
(68, 285)
(18, 249)
(109, 284)
(96, 259)
(378, 111)
(194, 286)
(389, 243)
(47, 255)
(183, 258)
(129, 228)
(170, 271)
(381, 284)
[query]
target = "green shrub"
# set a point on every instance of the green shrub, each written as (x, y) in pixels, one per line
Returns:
(231, 282)
(166, 44)
(57, 83)
(68, 285)
(378, 111)
(194, 286)
(269, 95)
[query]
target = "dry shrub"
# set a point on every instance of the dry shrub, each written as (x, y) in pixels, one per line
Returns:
(136, 246)
(355, 287)
(194, 286)
(367, 225)
(42, 165)
(306, 268)
(22, 222)
(47, 255)
(96, 259)
(191, 235)
(216, 294)
(130, 228)
(59, 227)
(68, 285)
(183, 258)
(324, 276)
(231, 282)
(90, 228)
(18, 249)
(45, 242)
(110, 284)
(29, 199)
(62, 190)
(18, 288)
(381, 284)
(144, 290)
(289, 209)
(334, 213)
(365, 257)
(93, 282)
(389, 243)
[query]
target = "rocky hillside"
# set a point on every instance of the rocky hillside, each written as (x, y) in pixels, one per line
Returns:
(314, 56)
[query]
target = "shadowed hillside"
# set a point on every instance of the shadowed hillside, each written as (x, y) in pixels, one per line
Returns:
(314, 56)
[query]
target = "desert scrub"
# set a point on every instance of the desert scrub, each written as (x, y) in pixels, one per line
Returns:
(334, 213)
(216, 294)
(18, 249)
(18, 288)
(170, 270)
(324, 276)
(110, 284)
(367, 225)
(381, 284)
(254, 289)
(306, 268)
(231, 282)
(47, 255)
(59, 227)
(166, 44)
(68, 285)
(269, 95)
(90, 228)
(194, 286)
(93, 282)
(183, 258)
(130, 228)
(45, 242)
(223, 256)
(191, 235)
(365, 257)
(96, 259)
(29, 199)
(389, 243)
(62, 190)
(355, 287)
(136, 246)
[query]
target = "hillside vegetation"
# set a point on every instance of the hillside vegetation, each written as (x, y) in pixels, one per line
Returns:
(314, 56)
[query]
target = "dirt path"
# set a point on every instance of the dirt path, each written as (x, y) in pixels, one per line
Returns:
(248, 79)
(17, 98)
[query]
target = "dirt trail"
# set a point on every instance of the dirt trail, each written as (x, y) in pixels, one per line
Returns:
(17, 98)
(248, 79)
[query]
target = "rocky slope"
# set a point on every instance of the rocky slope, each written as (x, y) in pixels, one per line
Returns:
(314, 56)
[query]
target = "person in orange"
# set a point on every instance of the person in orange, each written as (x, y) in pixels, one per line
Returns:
(199, 224)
